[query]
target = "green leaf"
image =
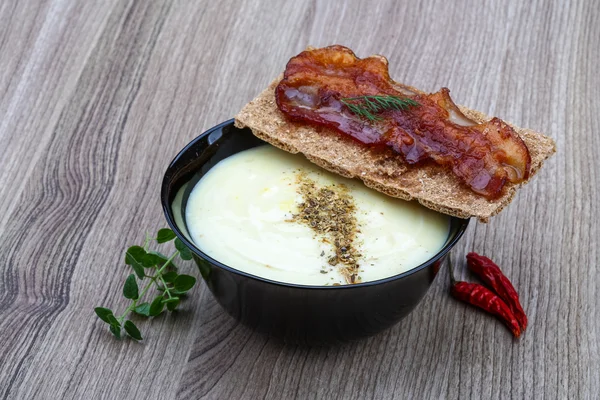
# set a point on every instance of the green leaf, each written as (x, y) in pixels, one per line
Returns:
(132, 330)
(173, 304)
(170, 300)
(130, 289)
(116, 330)
(170, 276)
(165, 235)
(160, 259)
(138, 271)
(143, 309)
(103, 314)
(135, 256)
(134, 253)
(152, 259)
(183, 283)
(184, 252)
(160, 255)
(113, 320)
(157, 306)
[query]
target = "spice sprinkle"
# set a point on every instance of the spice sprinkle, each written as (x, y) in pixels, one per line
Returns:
(330, 212)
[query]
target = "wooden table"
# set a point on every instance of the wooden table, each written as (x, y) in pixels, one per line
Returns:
(96, 97)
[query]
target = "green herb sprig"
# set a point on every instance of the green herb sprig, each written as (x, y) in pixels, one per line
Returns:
(369, 106)
(159, 271)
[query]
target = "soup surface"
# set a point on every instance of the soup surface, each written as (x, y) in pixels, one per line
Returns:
(246, 212)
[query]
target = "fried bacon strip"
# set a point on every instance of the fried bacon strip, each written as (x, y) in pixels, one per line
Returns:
(484, 156)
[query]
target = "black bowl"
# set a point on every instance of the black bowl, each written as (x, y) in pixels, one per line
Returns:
(294, 313)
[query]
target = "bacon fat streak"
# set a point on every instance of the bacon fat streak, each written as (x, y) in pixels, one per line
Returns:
(484, 156)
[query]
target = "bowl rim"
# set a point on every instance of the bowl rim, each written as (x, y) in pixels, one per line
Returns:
(171, 222)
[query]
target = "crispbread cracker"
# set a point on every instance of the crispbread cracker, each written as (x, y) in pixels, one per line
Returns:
(431, 185)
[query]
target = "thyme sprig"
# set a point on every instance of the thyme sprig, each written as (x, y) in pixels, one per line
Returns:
(369, 106)
(163, 275)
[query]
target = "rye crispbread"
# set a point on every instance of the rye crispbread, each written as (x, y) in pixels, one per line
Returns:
(431, 185)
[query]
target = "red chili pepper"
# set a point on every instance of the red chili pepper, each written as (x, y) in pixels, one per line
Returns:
(491, 274)
(482, 297)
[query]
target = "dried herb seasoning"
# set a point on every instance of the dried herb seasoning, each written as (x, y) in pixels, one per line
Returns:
(331, 213)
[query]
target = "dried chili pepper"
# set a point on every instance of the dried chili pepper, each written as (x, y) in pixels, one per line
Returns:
(490, 274)
(480, 296)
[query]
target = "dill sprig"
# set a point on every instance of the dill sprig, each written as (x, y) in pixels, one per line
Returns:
(369, 106)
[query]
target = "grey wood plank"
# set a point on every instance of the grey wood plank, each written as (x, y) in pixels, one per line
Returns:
(75, 174)
(97, 97)
(44, 47)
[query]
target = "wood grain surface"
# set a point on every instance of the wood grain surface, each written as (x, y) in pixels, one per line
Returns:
(96, 97)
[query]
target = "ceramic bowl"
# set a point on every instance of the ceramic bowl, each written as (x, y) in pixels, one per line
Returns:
(294, 313)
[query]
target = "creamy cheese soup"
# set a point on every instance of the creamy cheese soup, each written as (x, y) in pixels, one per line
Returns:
(243, 213)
